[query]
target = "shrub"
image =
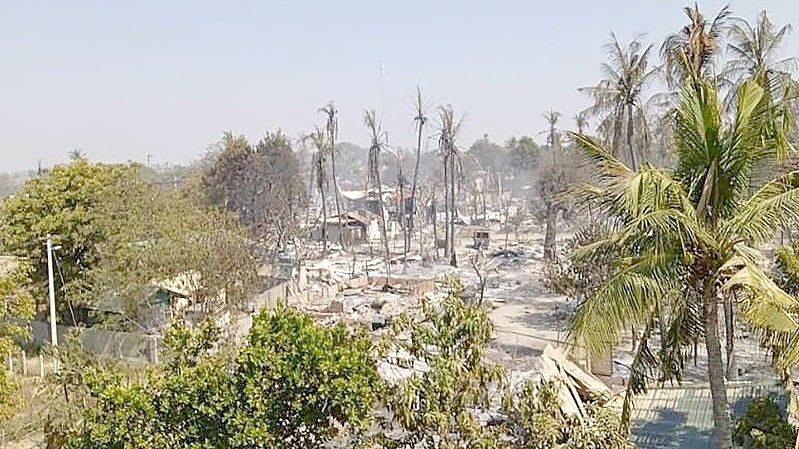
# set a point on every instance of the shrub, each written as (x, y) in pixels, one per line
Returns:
(763, 427)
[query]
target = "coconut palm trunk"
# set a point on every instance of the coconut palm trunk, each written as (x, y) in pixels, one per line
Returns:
(420, 122)
(446, 206)
(729, 337)
(378, 141)
(453, 259)
(715, 368)
(630, 137)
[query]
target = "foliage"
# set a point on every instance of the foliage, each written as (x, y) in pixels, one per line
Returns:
(169, 240)
(294, 385)
(786, 269)
(688, 239)
(262, 185)
(524, 155)
(579, 278)
(617, 98)
(763, 427)
(539, 423)
(63, 202)
(436, 407)
(16, 309)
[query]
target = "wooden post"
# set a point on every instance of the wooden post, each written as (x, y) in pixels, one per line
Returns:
(24, 363)
(10, 362)
(41, 366)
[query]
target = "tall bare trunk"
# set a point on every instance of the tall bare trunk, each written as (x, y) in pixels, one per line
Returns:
(447, 237)
(729, 333)
(715, 369)
(324, 220)
(434, 211)
(416, 174)
(336, 195)
(383, 233)
(453, 260)
(630, 134)
(551, 229)
(616, 138)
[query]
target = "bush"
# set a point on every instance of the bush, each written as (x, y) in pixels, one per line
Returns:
(763, 427)
(294, 385)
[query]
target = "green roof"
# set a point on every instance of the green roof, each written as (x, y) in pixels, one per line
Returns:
(682, 417)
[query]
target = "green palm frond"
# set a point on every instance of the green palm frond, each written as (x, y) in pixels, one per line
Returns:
(774, 205)
(764, 304)
(598, 157)
(628, 298)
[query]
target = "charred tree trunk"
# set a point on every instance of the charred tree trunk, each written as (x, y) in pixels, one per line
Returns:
(383, 233)
(453, 260)
(446, 206)
(324, 220)
(434, 211)
(551, 230)
(336, 196)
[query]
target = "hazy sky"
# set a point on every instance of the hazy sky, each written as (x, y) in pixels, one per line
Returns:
(123, 79)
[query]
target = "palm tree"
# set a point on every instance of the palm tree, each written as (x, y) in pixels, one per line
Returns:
(618, 97)
(331, 130)
(550, 185)
(754, 50)
(77, 155)
(581, 121)
(689, 53)
(378, 142)
(319, 177)
(690, 238)
(553, 139)
(420, 120)
(449, 151)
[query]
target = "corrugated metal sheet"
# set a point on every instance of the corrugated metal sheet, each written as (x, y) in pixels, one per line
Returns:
(682, 417)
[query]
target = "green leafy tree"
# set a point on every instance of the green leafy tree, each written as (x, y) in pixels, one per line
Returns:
(63, 202)
(538, 423)
(16, 309)
(261, 184)
(294, 385)
(435, 408)
(689, 239)
(168, 238)
(524, 155)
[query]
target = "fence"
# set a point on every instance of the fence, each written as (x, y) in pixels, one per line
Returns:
(104, 343)
(35, 366)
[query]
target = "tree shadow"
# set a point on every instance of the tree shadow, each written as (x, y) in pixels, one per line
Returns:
(670, 430)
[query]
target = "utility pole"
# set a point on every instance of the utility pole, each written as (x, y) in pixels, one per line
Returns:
(53, 328)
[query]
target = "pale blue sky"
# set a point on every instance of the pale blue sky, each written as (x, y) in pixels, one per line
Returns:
(121, 79)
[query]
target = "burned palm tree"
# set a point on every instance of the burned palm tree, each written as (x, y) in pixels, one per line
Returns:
(378, 142)
(449, 152)
(400, 159)
(689, 53)
(420, 120)
(319, 177)
(617, 98)
(331, 132)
